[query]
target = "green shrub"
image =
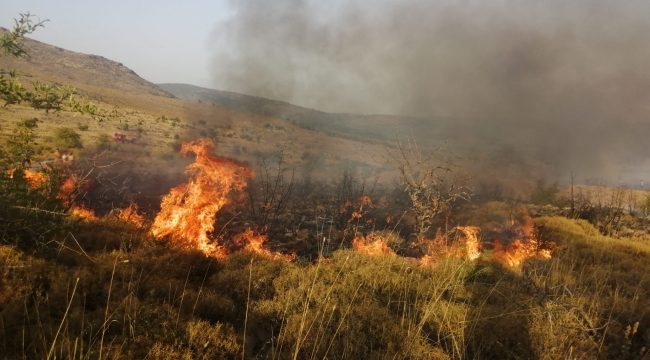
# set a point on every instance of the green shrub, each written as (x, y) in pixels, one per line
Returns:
(66, 137)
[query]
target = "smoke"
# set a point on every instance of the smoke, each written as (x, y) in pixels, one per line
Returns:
(567, 80)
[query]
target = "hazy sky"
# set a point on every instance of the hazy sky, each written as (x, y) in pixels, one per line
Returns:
(162, 41)
(567, 78)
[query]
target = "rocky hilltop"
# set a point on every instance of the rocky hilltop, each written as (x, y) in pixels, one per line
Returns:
(51, 63)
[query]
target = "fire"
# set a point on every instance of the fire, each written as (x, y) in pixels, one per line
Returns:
(83, 213)
(372, 244)
(518, 251)
(66, 190)
(188, 212)
(472, 245)
(66, 193)
(525, 245)
(441, 247)
(255, 243)
(35, 179)
(130, 214)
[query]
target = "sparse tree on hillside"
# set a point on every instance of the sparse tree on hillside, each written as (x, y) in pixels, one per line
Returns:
(29, 207)
(41, 96)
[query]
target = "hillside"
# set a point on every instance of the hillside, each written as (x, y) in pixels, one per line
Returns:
(65, 67)
(381, 127)
(161, 122)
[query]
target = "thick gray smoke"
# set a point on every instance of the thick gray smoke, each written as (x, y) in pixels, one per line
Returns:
(565, 79)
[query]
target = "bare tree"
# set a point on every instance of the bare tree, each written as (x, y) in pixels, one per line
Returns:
(434, 180)
(268, 195)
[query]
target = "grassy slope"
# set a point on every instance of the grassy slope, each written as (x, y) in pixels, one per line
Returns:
(135, 101)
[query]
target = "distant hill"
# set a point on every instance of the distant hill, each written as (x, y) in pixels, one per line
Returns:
(382, 127)
(244, 126)
(47, 62)
(161, 121)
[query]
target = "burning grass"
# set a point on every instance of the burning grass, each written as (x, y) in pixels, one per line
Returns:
(587, 300)
(349, 307)
(255, 243)
(373, 244)
(522, 237)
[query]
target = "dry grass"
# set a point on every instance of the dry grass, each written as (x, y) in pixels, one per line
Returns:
(154, 302)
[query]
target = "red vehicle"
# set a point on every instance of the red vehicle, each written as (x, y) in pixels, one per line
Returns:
(124, 138)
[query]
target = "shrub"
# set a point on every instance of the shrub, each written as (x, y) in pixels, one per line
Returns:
(66, 137)
(545, 194)
(104, 142)
(30, 123)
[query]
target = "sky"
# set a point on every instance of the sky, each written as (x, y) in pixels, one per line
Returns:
(162, 41)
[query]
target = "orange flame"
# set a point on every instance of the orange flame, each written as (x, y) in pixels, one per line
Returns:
(188, 212)
(130, 215)
(472, 245)
(525, 246)
(35, 179)
(427, 260)
(518, 251)
(255, 243)
(83, 213)
(66, 189)
(372, 244)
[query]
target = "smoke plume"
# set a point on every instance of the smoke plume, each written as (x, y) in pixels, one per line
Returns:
(563, 80)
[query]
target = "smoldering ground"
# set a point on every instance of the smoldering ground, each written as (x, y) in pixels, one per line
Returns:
(567, 82)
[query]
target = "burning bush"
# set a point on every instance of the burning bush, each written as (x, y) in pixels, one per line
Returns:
(188, 212)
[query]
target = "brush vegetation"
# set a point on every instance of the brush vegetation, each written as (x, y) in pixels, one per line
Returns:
(106, 289)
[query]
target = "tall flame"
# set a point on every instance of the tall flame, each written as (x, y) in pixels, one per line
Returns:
(188, 212)
(472, 245)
